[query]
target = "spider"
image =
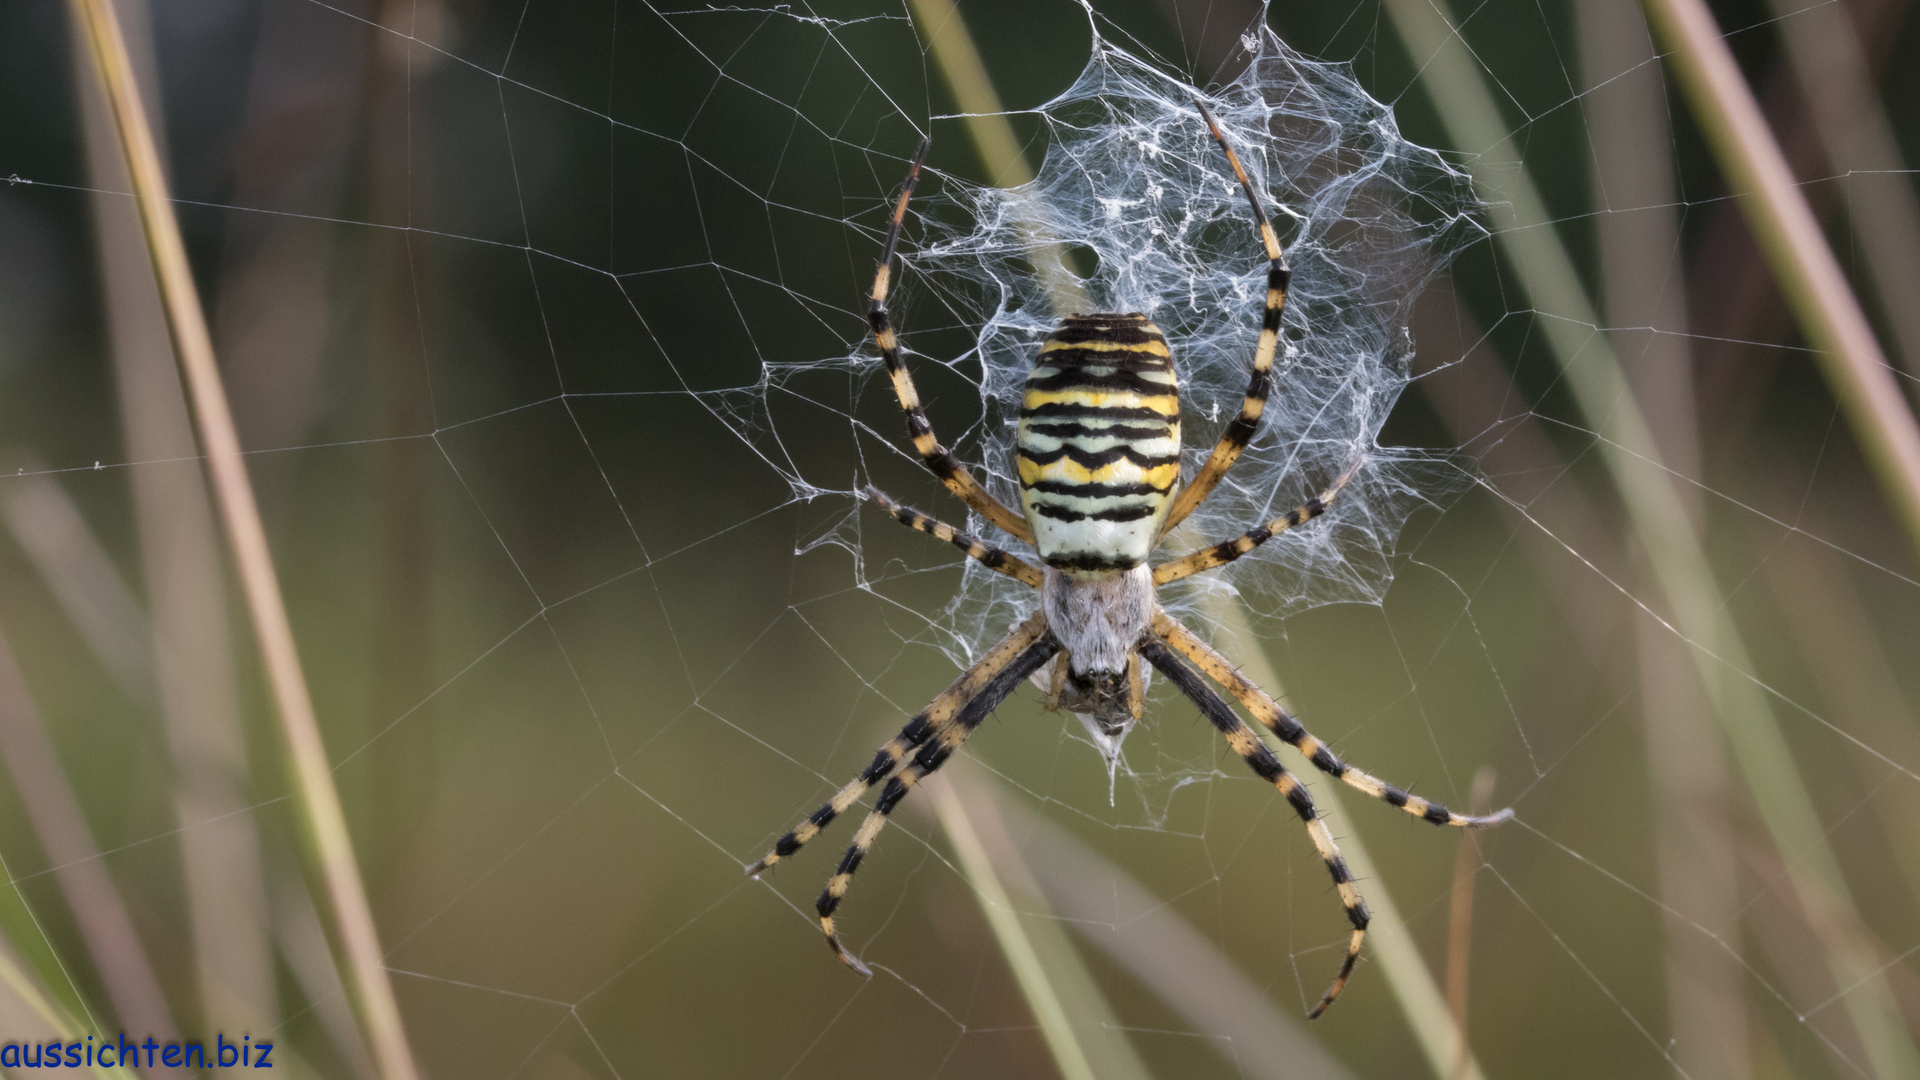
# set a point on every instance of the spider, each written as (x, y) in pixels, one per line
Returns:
(1099, 460)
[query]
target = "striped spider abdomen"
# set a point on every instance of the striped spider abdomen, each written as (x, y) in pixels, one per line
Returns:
(1099, 443)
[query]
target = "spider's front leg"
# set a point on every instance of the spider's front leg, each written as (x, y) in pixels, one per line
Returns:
(1240, 430)
(931, 737)
(939, 460)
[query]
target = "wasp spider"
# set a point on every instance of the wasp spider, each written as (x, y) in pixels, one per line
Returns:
(1099, 458)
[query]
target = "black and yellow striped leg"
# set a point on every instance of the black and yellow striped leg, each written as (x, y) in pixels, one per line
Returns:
(931, 722)
(1283, 724)
(932, 754)
(1241, 429)
(985, 554)
(1248, 746)
(1226, 551)
(937, 457)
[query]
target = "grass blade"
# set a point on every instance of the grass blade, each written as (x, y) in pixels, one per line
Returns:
(954, 52)
(1140, 932)
(41, 780)
(75, 567)
(1080, 1029)
(1637, 218)
(318, 801)
(960, 65)
(1825, 52)
(1825, 307)
(58, 1023)
(1467, 861)
(186, 634)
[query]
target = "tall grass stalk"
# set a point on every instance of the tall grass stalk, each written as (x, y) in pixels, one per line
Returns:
(1050, 994)
(1043, 999)
(75, 566)
(1467, 861)
(1566, 316)
(1825, 307)
(945, 32)
(1082, 1032)
(1146, 936)
(1857, 680)
(60, 1024)
(1634, 188)
(316, 798)
(187, 637)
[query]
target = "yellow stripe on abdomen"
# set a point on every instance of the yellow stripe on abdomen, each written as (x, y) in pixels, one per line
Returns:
(1099, 443)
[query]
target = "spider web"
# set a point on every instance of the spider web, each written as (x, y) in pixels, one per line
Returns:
(611, 300)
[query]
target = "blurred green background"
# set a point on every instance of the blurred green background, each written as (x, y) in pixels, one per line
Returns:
(492, 286)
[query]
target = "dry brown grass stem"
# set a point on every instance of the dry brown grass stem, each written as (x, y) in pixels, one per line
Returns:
(1466, 867)
(185, 634)
(1804, 266)
(318, 801)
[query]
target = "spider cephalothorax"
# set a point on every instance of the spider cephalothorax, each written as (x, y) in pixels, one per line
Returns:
(1099, 462)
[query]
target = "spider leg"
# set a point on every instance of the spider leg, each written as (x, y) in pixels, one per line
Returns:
(933, 753)
(937, 457)
(1240, 430)
(1057, 680)
(930, 722)
(1136, 687)
(1226, 551)
(1248, 746)
(1283, 724)
(985, 554)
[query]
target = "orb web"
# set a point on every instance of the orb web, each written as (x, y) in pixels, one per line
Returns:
(634, 244)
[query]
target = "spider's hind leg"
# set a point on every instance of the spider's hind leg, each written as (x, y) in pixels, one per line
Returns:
(931, 721)
(937, 458)
(1217, 555)
(1248, 745)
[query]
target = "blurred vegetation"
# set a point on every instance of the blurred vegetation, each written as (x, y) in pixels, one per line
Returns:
(572, 673)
